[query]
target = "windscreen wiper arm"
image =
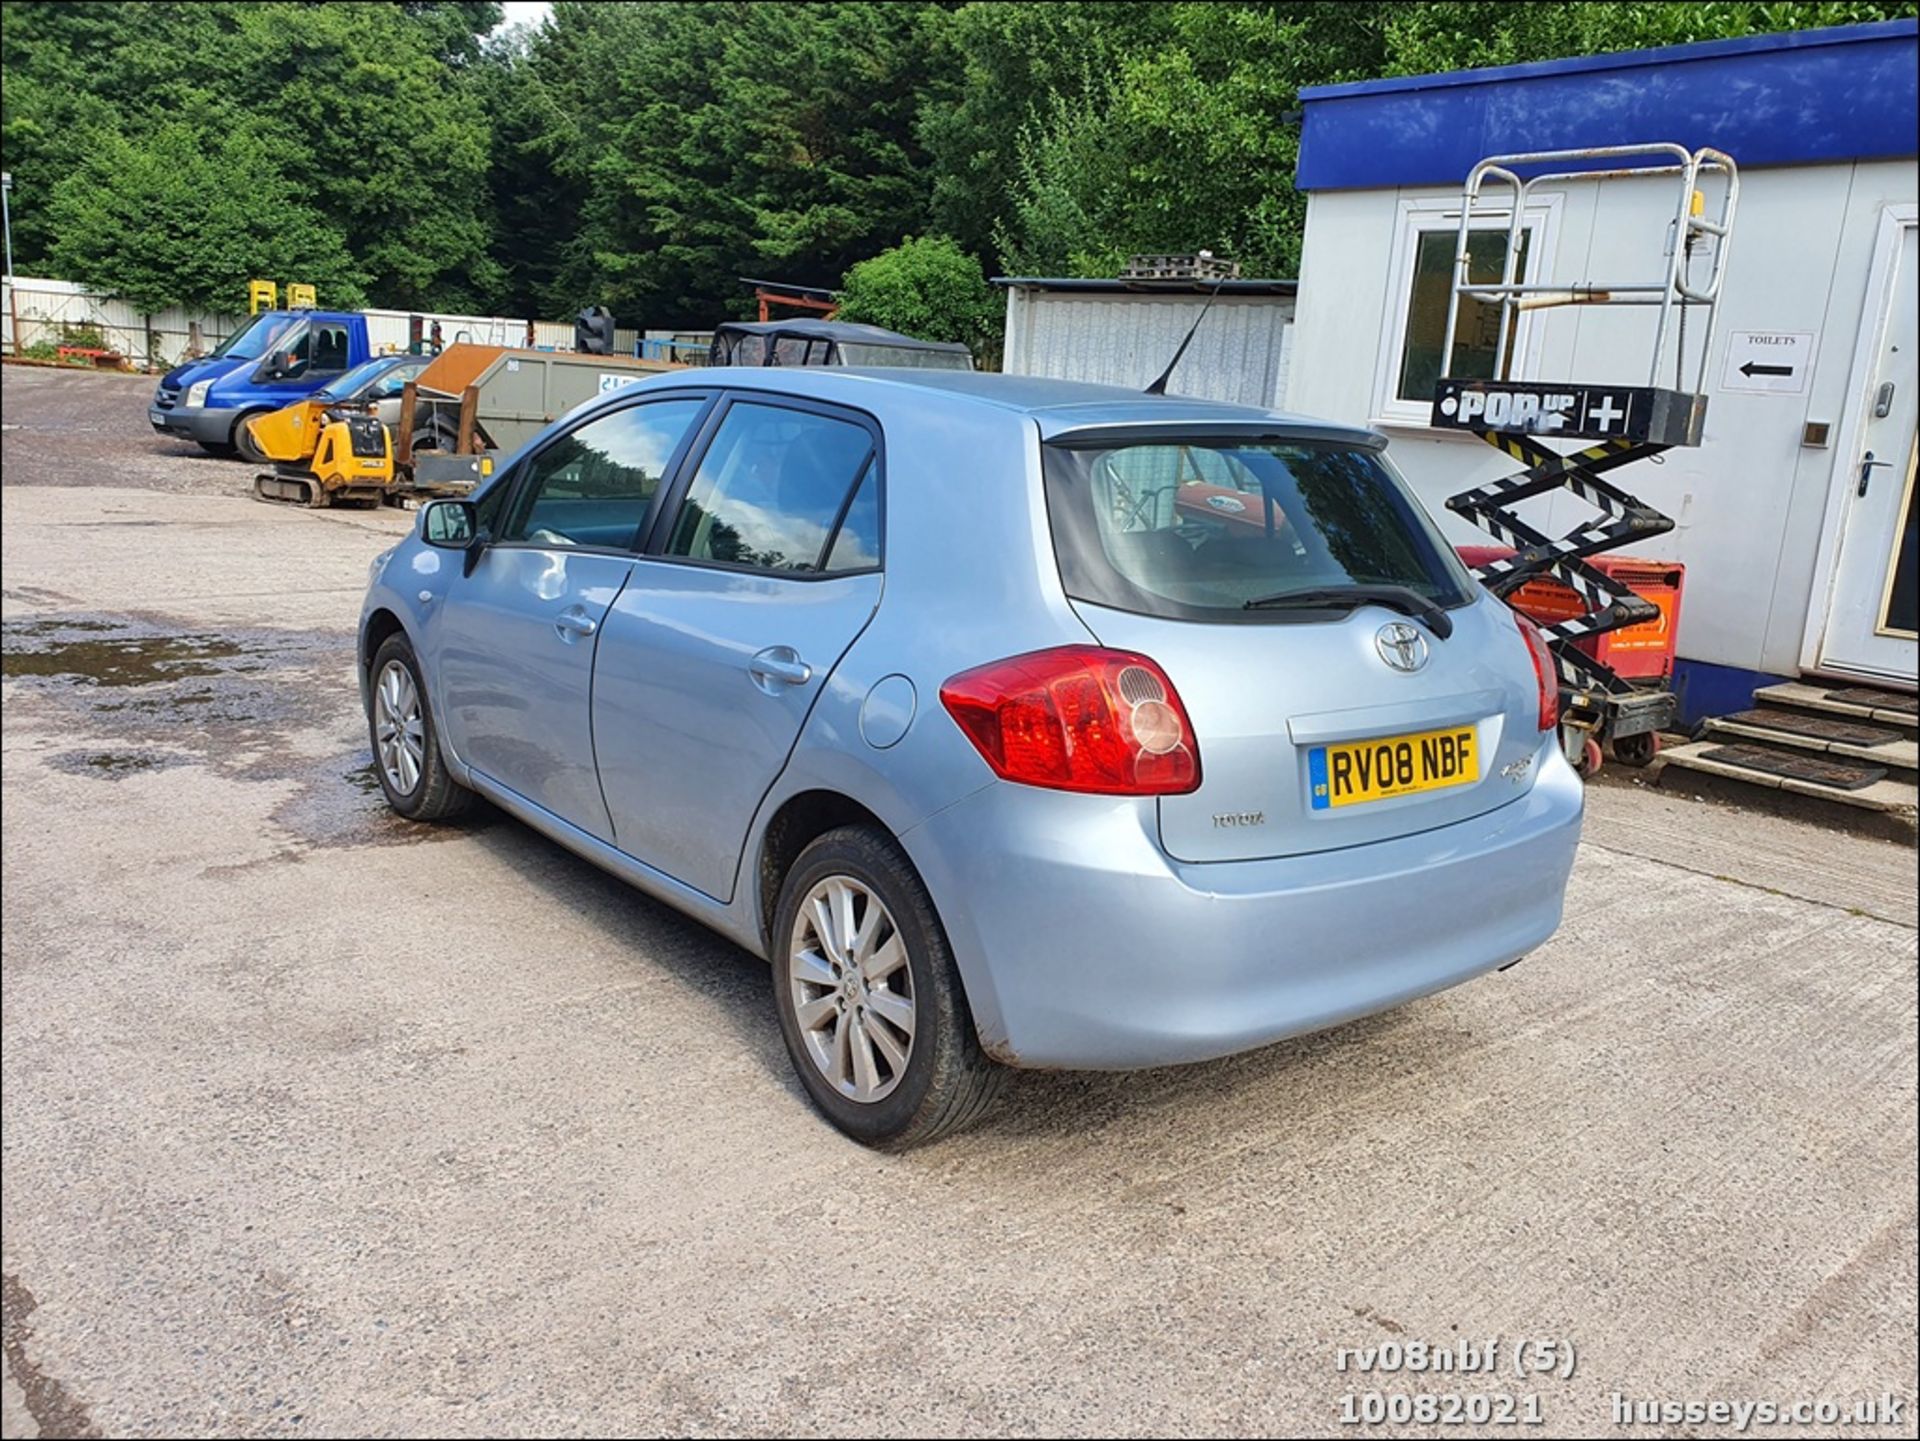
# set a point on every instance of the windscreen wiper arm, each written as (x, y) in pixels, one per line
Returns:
(1395, 597)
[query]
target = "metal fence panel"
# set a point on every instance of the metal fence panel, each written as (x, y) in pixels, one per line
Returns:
(58, 312)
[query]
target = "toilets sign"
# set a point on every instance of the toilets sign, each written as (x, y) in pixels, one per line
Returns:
(1771, 362)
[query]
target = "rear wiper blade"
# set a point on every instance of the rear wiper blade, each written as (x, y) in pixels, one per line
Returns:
(1394, 597)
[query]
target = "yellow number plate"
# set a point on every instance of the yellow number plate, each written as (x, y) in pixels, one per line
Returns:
(1377, 770)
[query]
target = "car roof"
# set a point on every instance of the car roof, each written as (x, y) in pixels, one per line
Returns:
(1058, 407)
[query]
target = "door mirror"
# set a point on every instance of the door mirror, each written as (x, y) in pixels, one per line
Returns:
(450, 524)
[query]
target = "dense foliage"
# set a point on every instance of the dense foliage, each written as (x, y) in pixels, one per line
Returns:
(647, 156)
(929, 288)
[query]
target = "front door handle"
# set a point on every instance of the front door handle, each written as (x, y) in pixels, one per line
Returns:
(573, 623)
(778, 665)
(1866, 471)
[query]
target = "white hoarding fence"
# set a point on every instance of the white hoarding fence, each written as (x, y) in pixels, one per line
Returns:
(52, 313)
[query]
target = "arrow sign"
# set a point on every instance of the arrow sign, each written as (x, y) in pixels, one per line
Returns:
(1769, 362)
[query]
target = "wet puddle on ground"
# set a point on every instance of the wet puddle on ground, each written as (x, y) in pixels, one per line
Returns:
(105, 653)
(113, 765)
(133, 695)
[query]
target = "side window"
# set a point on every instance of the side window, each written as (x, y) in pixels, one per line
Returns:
(1478, 333)
(393, 384)
(790, 350)
(1413, 322)
(593, 485)
(771, 489)
(294, 352)
(329, 349)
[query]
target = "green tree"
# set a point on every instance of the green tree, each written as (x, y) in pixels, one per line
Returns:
(1016, 63)
(186, 215)
(1190, 139)
(383, 139)
(928, 288)
(1188, 145)
(370, 112)
(692, 144)
(645, 156)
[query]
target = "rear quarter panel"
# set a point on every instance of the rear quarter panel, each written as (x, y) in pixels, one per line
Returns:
(969, 578)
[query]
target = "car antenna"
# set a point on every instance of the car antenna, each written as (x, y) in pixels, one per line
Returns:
(1159, 386)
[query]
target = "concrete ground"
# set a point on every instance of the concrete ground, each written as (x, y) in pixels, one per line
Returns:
(318, 1123)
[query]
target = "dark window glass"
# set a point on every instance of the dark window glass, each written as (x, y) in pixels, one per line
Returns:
(770, 488)
(1477, 336)
(593, 486)
(1195, 531)
(329, 349)
(856, 545)
(863, 354)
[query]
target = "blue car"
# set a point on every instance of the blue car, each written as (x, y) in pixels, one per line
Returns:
(1014, 722)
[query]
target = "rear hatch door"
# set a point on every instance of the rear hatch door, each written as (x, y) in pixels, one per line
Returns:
(1311, 740)
(1321, 722)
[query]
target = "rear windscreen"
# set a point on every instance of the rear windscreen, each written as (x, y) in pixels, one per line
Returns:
(1195, 530)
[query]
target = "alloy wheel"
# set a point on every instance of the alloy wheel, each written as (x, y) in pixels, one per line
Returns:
(400, 732)
(852, 989)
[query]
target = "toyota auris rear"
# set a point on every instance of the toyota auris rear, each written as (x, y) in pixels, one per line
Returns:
(1014, 722)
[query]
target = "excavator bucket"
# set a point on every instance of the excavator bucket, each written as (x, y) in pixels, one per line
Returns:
(289, 436)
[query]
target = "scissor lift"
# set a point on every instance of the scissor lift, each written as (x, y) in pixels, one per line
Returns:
(1622, 422)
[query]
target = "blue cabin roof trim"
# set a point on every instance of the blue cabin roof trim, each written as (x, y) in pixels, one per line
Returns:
(1808, 97)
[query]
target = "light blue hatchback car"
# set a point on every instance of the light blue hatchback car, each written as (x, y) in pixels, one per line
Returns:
(1015, 722)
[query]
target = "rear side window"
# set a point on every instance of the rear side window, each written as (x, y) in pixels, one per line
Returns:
(857, 544)
(773, 490)
(592, 486)
(1194, 531)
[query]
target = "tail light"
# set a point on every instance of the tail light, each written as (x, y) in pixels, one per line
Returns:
(1546, 672)
(1078, 718)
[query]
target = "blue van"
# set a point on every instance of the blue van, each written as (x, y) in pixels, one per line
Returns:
(280, 357)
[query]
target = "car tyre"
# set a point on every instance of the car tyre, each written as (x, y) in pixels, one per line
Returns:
(849, 1027)
(243, 440)
(405, 737)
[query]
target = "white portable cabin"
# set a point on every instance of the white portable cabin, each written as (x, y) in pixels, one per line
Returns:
(1796, 513)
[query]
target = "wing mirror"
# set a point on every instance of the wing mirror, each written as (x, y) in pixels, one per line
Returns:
(450, 524)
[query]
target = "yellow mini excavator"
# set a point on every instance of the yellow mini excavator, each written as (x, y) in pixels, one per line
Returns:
(336, 444)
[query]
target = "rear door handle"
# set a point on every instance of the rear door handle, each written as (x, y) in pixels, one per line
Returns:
(778, 665)
(573, 623)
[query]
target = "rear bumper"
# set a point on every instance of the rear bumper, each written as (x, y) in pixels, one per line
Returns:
(209, 427)
(1083, 947)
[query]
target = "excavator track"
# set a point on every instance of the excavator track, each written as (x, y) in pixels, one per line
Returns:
(303, 490)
